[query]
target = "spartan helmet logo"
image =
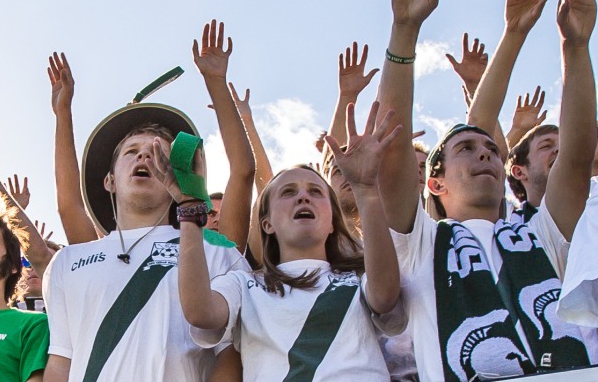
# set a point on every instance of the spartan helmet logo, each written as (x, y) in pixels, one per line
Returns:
(539, 303)
(481, 346)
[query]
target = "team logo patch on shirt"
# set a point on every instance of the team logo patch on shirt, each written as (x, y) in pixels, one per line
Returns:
(164, 254)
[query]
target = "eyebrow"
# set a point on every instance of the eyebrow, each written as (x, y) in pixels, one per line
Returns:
(546, 139)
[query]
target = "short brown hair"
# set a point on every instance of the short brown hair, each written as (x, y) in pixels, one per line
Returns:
(421, 147)
(518, 156)
(143, 129)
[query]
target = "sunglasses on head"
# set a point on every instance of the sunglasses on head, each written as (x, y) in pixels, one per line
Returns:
(25, 262)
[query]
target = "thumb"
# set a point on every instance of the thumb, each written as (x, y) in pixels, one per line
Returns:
(371, 74)
(452, 60)
(333, 144)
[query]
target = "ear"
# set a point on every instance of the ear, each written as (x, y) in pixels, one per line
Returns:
(267, 227)
(109, 183)
(436, 186)
(519, 172)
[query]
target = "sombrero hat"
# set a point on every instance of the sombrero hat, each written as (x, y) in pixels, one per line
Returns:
(108, 134)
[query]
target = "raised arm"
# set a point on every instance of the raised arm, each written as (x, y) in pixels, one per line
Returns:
(212, 62)
(21, 196)
(351, 81)
(520, 17)
(472, 66)
(77, 225)
(201, 306)
(527, 116)
(360, 164)
(263, 169)
(569, 179)
(398, 178)
(36, 252)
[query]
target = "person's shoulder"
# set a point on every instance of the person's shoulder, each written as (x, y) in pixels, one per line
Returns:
(29, 316)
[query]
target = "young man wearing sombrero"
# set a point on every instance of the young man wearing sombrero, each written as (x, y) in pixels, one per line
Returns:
(480, 294)
(113, 304)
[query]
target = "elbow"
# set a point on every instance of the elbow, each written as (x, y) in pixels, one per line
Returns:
(385, 302)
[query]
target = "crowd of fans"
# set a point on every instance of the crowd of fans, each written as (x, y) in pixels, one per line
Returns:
(388, 260)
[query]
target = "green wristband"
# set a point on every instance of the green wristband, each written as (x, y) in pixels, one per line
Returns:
(181, 160)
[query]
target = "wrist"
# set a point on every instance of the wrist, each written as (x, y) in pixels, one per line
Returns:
(347, 97)
(215, 79)
(193, 211)
(63, 110)
(574, 46)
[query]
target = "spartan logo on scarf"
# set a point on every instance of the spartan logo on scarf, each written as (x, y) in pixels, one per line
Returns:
(164, 254)
(477, 315)
(469, 349)
(465, 255)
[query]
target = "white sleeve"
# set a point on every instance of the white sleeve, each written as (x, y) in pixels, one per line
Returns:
(54, 297)
(229, 286)
(413, 247)
(578, 303)
(391, 323)
(554, 243)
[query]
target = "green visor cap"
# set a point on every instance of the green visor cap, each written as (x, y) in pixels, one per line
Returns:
(435, 152)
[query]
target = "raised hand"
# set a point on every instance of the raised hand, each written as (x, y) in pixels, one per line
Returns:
(20, 196)
(576, 20)
(241, 104)
(472, 66)
(527, 114)
(521, 15)
(412, 12)
(160, 167)
(63, 84)
(213, 59)
(319, 142)
(41, 229)
(360, 163)
(351, 78)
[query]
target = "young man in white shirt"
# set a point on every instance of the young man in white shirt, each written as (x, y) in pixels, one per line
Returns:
(467, 300)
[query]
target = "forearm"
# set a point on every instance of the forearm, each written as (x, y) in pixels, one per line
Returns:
(236, 144)
(197, 298)
(569, 179)
(514, 136)
(398, 179)
(578, 108)
(236, 205)
(57, 369)
(36, 252)
(263, 169)
(228, 367)
(380, 257)
(492, 89)
(77, 225)
(499, 138)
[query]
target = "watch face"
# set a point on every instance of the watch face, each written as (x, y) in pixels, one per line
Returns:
(202, 219)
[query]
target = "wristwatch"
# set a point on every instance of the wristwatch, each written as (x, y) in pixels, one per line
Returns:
(197, 214)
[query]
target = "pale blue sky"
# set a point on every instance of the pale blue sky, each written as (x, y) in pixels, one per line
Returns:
(285, 51)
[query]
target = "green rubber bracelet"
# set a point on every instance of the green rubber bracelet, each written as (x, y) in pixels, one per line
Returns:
(181, 160)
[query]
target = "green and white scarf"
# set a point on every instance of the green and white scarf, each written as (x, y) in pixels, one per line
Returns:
(477, 317)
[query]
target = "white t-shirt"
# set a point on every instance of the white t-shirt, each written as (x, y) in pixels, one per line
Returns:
(270, 330)
(579, 297)
(416, 262)
(84, 281)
